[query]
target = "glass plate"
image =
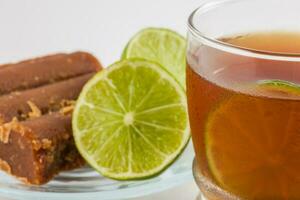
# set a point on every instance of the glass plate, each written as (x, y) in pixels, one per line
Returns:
(85, 183)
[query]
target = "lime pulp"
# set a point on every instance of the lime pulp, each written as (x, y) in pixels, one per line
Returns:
(160, 45)
(130, 120)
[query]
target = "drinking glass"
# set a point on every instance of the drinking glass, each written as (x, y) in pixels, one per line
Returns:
(244, 103)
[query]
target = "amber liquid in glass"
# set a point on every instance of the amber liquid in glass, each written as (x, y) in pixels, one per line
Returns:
(245, 116)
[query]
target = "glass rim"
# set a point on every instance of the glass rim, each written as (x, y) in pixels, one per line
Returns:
(211, 5)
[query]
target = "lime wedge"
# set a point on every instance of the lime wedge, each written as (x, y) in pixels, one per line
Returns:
(130, 120)
(163, 46)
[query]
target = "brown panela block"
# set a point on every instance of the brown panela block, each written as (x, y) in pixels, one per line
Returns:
(36, 101)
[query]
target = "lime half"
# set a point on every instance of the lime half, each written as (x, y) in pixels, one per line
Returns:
(163, 46)
(130, 120)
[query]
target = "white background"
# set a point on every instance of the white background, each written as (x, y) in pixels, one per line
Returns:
(103, 27)
(31, 28)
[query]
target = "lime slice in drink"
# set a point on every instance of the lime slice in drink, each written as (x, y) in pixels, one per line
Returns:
(279, 87)
(251, 143)
(130, 120)
(163, 46)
